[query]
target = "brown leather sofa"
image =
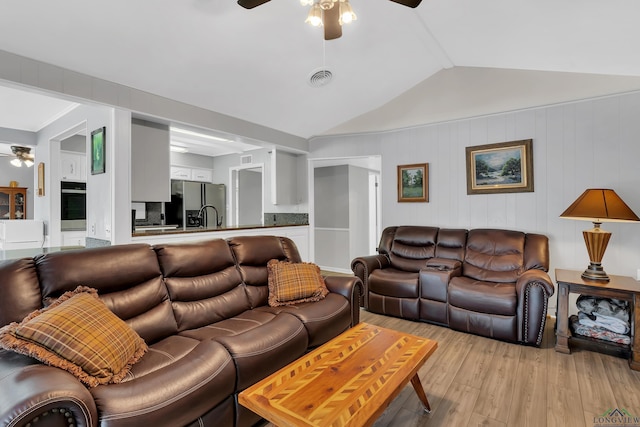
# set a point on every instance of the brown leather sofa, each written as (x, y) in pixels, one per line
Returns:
(484, 281)
(201, 308)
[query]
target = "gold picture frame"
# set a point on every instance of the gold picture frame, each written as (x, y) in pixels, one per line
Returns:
(413, 183)
(505, 167)
(40, 179)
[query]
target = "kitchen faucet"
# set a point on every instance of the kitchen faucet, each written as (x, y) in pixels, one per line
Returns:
(218, 217)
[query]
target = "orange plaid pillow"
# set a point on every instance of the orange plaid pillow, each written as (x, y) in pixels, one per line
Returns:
(292, 283)
(79, 334)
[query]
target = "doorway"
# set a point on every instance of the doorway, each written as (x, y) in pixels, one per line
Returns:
(345, 209)
(247, 195)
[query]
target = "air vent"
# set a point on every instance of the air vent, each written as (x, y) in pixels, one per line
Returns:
(320, 77)
(246, 160)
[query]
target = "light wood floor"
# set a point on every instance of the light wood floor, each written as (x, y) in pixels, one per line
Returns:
(476, 381)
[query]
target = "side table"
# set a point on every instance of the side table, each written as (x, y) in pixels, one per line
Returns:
(620, 287)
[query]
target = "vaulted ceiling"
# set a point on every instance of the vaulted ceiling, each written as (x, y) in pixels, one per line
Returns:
(393, 67)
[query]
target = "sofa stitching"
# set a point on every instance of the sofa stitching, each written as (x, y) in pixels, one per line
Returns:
(16, 421)
(271, 347)
(171, 400)
(526, 311)
(330, 315)
(164, 353)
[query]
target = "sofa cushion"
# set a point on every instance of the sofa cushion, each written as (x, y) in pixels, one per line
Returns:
(79, 334)
(175, 383)
(235, 325)
(252, 253)
(263, 350)
(292, 283)
(412, 246)
(323, 319)
(483, 297)
(128, 279)
(392, 282)
(494, 255)
(20, 290)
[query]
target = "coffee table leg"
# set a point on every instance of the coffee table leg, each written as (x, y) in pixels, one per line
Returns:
(417, 386)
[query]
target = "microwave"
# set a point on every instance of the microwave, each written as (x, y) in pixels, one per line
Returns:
(73, 206)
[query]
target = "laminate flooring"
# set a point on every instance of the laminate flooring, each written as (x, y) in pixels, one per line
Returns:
(477, 381)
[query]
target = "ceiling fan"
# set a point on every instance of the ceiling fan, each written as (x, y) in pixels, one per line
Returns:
(331, 14)
(21, 154)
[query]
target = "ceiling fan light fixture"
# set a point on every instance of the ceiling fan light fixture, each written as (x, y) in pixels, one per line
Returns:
(28, 163)
(315, 15)
(16, 162)
(347, 15)
(326, 4)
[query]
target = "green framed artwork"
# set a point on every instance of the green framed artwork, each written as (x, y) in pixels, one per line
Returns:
(413, 183)
(98, 142)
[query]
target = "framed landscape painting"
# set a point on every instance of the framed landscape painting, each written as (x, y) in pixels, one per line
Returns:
(413, 183)
(506, 167)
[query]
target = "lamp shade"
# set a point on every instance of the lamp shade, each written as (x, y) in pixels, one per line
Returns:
(600, 205)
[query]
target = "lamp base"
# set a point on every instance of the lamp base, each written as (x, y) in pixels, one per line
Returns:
(595, 272)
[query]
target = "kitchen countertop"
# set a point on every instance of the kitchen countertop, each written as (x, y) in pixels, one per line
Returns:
(29, 253)
(155, 231)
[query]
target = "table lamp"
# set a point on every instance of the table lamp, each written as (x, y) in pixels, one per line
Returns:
(598, 205)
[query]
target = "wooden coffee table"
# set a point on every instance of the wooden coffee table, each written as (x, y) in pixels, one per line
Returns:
(348, 381)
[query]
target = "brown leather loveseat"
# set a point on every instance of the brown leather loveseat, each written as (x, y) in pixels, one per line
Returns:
(484, 281)
(201, 309)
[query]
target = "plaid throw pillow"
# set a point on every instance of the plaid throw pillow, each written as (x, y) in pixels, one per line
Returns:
(292, 283)
(79, 334)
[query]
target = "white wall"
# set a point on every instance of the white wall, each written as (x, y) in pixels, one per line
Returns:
(99, 187)
(586, 144)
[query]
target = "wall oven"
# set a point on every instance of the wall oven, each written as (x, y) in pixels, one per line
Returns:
(73, 206)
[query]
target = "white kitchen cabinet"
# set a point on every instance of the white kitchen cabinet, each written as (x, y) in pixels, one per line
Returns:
(73, 166)
(179, 172)
(150, 162)
(284, 179)
(74, 238)
(203, 175)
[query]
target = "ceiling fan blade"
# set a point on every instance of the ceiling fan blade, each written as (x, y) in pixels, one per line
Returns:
(410, 3)
(331, 23)
(250, 4)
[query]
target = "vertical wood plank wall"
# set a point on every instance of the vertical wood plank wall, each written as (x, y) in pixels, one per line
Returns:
(578, 145)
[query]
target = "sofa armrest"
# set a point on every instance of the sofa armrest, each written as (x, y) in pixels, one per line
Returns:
(362, 268)
(533, 289)
(444, 264)
(30, 391)
(535, 276)
(349, 287)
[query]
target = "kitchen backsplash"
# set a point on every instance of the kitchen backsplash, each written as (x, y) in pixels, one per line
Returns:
(286, 218)
(153, 214)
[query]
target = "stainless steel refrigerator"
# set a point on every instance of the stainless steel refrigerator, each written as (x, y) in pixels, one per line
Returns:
(189, 198)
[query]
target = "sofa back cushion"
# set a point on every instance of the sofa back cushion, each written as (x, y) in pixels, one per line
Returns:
(494, 255)
(20, 290)
(203, 282)
(252, 253)
(409, 247)
(536, 252)
(451, 243)
(128, 280)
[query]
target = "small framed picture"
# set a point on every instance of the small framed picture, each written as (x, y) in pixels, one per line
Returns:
(413, 183)
(506, 167)
(98, 142)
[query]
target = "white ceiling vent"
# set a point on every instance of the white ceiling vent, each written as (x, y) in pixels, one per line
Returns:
(320, 77)
(246, 160)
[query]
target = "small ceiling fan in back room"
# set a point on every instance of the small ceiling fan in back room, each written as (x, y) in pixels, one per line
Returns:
(331, 14)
